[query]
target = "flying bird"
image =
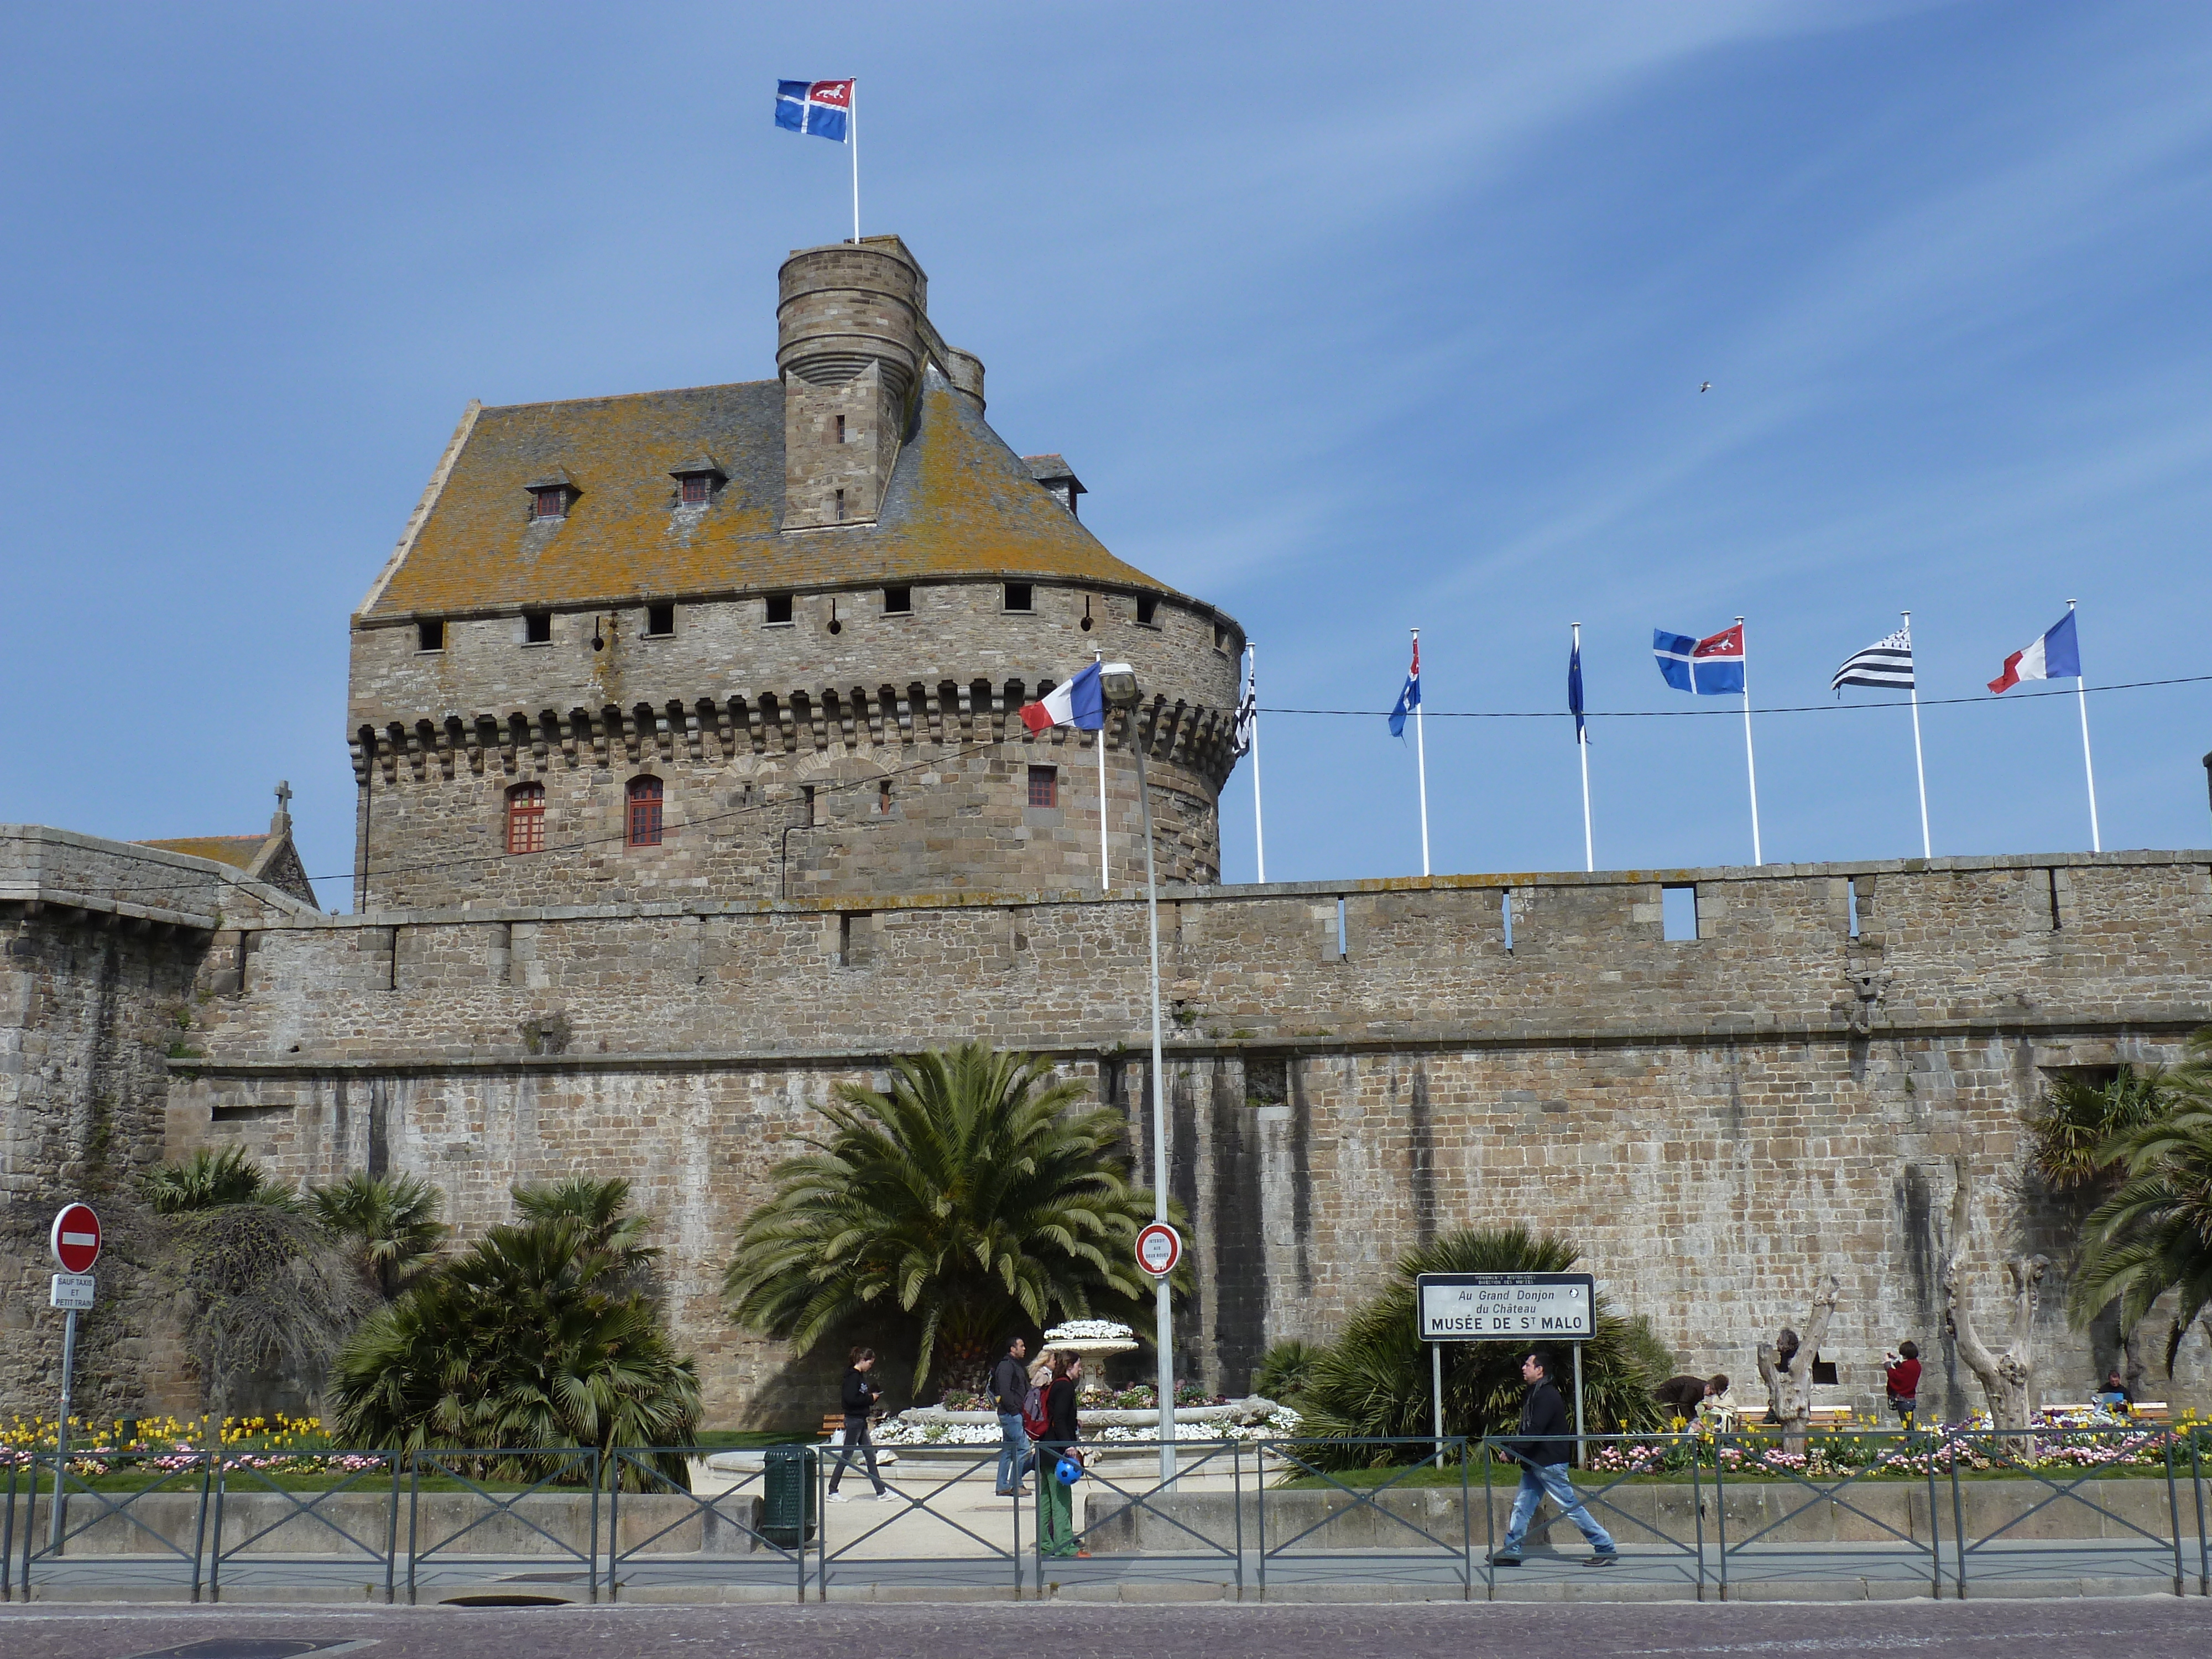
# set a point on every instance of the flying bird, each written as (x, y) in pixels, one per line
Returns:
(1707, 386)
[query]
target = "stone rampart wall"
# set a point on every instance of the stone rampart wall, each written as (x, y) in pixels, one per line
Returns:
(1712, 1121)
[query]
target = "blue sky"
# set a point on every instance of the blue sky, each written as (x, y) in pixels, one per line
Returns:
(1352, 319)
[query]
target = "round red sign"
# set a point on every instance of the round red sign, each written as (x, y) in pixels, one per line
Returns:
(1159, 1247)
(76, 1239)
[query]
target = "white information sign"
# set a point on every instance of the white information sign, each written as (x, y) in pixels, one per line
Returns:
(70, 1291)
(1505, 1307)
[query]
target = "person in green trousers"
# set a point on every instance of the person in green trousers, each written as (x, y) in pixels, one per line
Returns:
(1063, 1437)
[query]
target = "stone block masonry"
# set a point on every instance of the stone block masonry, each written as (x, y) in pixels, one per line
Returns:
(1712, 1121)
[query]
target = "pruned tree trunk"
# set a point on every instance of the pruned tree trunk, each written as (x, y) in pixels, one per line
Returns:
(2007, 1379)
(1789, 1388)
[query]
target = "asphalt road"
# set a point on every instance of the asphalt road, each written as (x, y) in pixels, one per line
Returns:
(2139, 1628)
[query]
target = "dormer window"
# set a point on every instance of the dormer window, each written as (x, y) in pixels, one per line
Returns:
(552, 494)
(697, 479)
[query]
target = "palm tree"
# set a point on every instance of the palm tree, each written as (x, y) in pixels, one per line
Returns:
(1374, 1382)
(601, 1209)
(209, 1180)
(2072, 1136)
(526, 1339)
(970, 1196)
(389, 1222)
(2154, 1233)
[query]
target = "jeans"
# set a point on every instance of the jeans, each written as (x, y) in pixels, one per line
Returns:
(1538, 1481)
(856, 1439)
(1013, 1451)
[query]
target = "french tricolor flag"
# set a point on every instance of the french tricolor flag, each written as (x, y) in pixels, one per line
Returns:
(1080, 703)
(2055, 656)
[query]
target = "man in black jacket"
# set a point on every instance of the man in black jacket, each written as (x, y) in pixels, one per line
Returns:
(1010, 1392)
(1544, 1445)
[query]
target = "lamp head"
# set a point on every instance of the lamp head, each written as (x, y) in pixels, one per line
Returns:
(1117, 683)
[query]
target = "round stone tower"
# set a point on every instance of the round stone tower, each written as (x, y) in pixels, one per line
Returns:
(772, 640)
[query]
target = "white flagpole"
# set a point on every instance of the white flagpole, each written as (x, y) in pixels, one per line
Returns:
(1582, 746)
(2082, 692)
(1252, 679)
(1919, 766)
(853, 137)
(1750, 764)
(1105, 876)
(1421, 754)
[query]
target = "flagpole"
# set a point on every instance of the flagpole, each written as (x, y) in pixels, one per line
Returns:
(1259, 833)
(2082, 693)
(1105, 868)
(1919, 766)
(1582, 747)
(1750, 763)
(1421, 756)
(853, 133)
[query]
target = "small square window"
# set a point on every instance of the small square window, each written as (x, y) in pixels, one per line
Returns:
(1044, 785)
(550, 502)
(431, 636)
(1148, 607)
(778, 611)
(537, 628)
(898, 601)
(697, 487)
(1017, 596)
(659, 619)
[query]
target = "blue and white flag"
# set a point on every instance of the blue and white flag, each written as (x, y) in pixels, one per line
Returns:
(1708, 667)
(815, 106)
(1575, 689)
(1410, 698)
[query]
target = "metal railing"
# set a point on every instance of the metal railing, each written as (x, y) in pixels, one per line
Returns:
(1305, 1455)
(2012, 1450)
(647, 1466)
(1634, 1454)
(463, 1467)
(1277, 1511)
(67, 1485)
(241, 1470)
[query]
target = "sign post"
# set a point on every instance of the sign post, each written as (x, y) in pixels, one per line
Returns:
(1518, 1308)
(75, 1241)
(1159, 1248)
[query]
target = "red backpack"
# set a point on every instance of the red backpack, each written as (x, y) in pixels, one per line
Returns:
(1034, 1421)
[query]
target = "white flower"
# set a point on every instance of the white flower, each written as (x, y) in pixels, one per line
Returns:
(1088, 1330)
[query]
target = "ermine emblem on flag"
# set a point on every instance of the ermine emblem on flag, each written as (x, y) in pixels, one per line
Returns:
(815, 106)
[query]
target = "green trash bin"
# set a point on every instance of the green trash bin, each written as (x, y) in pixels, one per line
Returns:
(788, 1496)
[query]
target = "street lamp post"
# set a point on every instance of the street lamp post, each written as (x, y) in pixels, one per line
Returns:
(1118, 684)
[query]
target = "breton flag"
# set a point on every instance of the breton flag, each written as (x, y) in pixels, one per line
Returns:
(1886, 665)
(815, 106)
(2056, 655)
(1248, 711)
(1708, 667)
(1079, 703)
(1410, 698)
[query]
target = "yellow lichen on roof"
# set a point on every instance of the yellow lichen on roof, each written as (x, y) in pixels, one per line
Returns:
(960, 503)
(237, 851)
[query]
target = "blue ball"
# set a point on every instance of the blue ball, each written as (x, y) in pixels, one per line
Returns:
(1068, 1471)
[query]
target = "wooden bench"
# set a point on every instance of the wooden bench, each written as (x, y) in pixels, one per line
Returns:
(1829, 1416)
(2159, 1412)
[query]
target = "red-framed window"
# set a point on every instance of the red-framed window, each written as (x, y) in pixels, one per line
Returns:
(551, 502)
(644, 812)
(698, 487)
(525, 818)
(1044, 785)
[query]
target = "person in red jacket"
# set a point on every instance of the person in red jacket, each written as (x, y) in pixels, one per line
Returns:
(1902, 1373)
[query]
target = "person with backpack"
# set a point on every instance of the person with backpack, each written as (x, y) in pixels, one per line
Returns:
(1010, 1395)
(1062, 1440)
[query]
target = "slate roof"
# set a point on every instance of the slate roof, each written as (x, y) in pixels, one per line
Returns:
(960, 503)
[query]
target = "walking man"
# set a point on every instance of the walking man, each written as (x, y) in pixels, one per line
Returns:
(1009, 1393)
(1542, 1451)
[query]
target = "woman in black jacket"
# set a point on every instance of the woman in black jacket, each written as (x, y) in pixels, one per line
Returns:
(1063, 1437)
(859, 1395)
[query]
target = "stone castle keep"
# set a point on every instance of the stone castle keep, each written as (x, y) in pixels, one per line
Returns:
(690, 784)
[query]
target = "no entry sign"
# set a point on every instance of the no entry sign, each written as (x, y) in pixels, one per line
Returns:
(76, 1239)
(1159, 1247)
